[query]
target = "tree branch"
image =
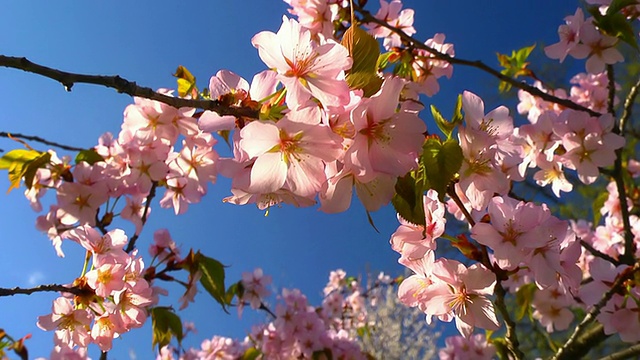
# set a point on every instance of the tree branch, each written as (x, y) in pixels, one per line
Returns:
(512, 338)
(629, 243)
(40, 140)
(152, 193)
(367, 17)
(598, 254)
(628, 106)
(41, 288)
(569, 349)
(122, 86)
(624, 354)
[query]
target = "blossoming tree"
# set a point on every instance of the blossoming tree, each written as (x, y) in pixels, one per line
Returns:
(338, 109)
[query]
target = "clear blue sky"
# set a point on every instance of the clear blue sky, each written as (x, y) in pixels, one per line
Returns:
(145, 41)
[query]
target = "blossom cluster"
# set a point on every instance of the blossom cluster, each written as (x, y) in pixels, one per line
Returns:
(299, 330)
(318, 135)
(113, 297)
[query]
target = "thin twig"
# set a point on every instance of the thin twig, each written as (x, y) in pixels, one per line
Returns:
(629, 243)
(267, 310)
(68, 79)
(628, 106)
(152, 193)
(512, 338)
(367, 17)
(624, 354)
(567, 350)
(40, 140)
(599, 254)
(611, 87)
(41, 288)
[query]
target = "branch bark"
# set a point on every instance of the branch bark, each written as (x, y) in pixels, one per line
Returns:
(41, 288)
(68, 79)
(367, 17)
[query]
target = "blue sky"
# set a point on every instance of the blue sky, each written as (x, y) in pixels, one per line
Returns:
(145, 41)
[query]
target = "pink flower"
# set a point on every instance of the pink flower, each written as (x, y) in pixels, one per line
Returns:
(386, 140)
(288, 154)
(106, 328)
(413, 241)
(305, 67)
(106, 249)
(598, 47)
(255, 287)
(71, 325)
(462, 291)
(475, 347)
(514, 230)
(390, 13)
(569, 36)
(106, 279)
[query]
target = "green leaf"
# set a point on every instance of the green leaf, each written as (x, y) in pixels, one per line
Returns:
(370, 83)
(236, 289)
(213, 278)
(186, 82)
(617, 5)
(31, 168)
(457, 112)
(443, 124)
(524, 298)
(23, 163)
(165, 326)
(17, 156)
(90, 156)
(383, 60)
(363, 49)
(408, 200)
(515, 65)
(404, 69)
(441, 161)
(615, 23)
(251, 354)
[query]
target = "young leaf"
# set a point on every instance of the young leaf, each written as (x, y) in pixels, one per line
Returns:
(166, 325)
(383, 60)
(408, 200)
(186, 82)
(90, 156)
(31, 168)
(457, 112)
(236, 289)
(370, 83)
(213, 278)
(515, 65)
(251, 354)
(443, 124)
(441, 162)
(17, 156)
(23, 163)
(363, 49)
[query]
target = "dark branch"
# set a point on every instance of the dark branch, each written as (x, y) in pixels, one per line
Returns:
(122, 86)
(367, 17)
(152, 193)
(599, 254)
(569, 349)
(41, 288)
(627, 353)
(628, 106)
(40, 140)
